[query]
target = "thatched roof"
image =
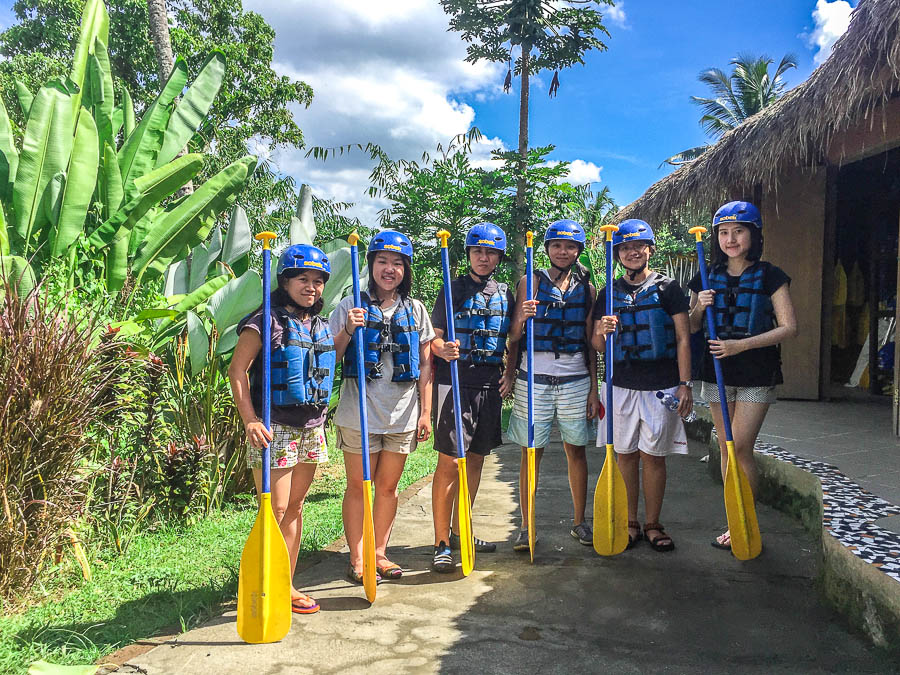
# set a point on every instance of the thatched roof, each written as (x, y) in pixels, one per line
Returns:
(862, 73)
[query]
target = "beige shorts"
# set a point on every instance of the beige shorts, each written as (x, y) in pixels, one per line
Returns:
(350, 440)
(710, 393)
(291, 446)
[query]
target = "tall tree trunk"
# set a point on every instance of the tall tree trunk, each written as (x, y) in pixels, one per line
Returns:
(158, 19)
(521, 186)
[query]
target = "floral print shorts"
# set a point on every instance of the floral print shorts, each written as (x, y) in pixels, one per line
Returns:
(291, 446)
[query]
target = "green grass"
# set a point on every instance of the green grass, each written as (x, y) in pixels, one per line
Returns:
(169, 580)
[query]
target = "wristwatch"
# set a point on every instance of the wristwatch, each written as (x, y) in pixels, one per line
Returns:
(686, 383)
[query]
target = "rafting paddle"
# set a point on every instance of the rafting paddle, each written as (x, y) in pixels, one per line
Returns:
(610, 498)
(264, 577)
(530, 453)
(370, 581)
(463, 505)
(740, 509)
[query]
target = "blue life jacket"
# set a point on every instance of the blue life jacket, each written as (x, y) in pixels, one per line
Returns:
(482, 323)
(645, 332)
(559, 324)
(400, 337)
(742, 306)
(303, 366)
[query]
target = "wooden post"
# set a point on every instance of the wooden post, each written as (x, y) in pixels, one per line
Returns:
(828, 252)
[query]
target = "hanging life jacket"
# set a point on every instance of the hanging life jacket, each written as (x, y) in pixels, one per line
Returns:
(400, 337)
(482, 324)
(560, 320)
(742, 306)
(645, 332)
(303, 366)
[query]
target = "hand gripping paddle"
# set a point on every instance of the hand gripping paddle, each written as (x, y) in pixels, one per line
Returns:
(264, 579)
(610, 498)
(463, 505)
(369, 578)
(740, 509)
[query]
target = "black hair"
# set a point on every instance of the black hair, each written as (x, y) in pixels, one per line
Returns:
(756, 245)
(405, 283)
(280, 297)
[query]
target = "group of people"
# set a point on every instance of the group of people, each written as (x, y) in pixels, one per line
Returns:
(407, 370)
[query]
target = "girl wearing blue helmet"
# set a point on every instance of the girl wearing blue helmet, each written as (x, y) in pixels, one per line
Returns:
(753, 312)
(565, 368)
(397, 349)
(651, 352)
(302, 377)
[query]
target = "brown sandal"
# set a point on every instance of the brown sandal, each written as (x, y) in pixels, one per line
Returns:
(634, 525)
(663, 542)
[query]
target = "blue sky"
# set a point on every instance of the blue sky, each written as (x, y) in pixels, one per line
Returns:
(388, 71)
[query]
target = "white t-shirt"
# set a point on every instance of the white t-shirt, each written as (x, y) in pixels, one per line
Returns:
(392, 407)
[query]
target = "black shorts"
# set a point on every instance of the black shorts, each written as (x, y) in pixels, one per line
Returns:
(481, 410)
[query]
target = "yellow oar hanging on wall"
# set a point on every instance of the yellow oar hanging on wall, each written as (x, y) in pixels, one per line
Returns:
(740, 508)
(264, 578)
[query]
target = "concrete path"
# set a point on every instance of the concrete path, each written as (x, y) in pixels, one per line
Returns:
(695, 610)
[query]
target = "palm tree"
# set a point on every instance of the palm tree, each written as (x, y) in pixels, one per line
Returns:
(749, 89)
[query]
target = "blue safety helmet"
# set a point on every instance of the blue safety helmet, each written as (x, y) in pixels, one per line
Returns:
(304, 257)
(738, 212)
(392, 241)
(487, 235)
(633, 230)
(566, 230)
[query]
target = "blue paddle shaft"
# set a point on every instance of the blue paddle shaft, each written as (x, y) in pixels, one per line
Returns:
(451, 337)
(609, 342)
(360, 366)
(711, 328)
(529, 341)
(266, 362)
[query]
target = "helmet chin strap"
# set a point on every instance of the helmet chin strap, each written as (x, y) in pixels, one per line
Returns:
(483, 278)
(631, 274)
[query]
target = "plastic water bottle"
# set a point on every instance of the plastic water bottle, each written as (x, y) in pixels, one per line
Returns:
(672, 404)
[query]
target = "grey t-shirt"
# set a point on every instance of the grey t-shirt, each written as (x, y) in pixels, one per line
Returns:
(392, 407)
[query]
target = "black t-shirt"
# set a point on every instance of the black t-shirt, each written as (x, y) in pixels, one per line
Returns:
(476, 376)
(298, 416)
(647, 375)
(755, 367)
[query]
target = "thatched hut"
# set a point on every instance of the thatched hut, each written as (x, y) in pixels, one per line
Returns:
(823, 164)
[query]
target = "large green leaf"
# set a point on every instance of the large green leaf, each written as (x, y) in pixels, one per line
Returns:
(151, 189)
(202, 294)
(18, 274)
(4, 235)
(50, 204)
(199, 266)
(81, 180)
(235, 300)
(193, 107)
(25, 98)
(117, 264)
(176, 279)
(94, 24)
(198, 343)
(341, 278)
(303, 225)
(137, 156)
(127, 113)
(111, 189)
(9, 156)
(193, 218)
(215, 245)
(102, 92)
(46, 147)
(238, 242)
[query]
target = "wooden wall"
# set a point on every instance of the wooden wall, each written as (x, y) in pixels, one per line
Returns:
(794, 228)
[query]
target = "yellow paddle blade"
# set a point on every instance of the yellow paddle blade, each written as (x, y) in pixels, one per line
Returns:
(746, 541)
(466, 542)
(532, 485)
(369, 579)
(264, 581)
(610, 508)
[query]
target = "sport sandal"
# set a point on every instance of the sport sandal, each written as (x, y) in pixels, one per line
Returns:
(443, 559)
(632, 540)
(663, 542)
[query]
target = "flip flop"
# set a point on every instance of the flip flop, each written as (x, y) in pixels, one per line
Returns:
(715, 543)
(392, 571)
(300, 609)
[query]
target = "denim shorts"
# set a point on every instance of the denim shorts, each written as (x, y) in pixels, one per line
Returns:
(564, 401)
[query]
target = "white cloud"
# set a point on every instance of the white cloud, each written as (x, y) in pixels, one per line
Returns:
(832, 20)
(617, 14)
(581, 172)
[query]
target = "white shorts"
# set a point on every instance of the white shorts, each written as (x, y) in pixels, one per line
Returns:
(641, 422)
